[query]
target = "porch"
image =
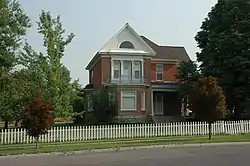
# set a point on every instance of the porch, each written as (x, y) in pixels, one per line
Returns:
(165, 100)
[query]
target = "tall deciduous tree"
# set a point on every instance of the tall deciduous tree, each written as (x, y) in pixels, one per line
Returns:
(13, 26)
(207, 101)
(224, 40)
(47, 72)
(59, 84)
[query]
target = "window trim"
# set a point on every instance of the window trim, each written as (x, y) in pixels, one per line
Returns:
(162, 71)
(139, 69)
(132, 96)
(118, 69)
(143, 101)
(123, 58)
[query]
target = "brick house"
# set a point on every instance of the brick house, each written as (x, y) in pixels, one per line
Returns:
(139, 72)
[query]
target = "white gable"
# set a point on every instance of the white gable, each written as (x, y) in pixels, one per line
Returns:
(127, 34)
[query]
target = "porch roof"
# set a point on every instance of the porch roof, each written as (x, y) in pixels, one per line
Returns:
(165, 86)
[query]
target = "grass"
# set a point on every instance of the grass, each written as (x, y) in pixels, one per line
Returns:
(115, 144)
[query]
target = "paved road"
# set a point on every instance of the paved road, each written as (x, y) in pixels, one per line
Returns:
(232, 155)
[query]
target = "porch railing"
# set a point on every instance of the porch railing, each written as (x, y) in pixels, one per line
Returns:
(129, 80)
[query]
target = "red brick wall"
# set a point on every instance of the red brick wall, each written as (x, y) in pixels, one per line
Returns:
(169, 72)
(101, 72)
(147, 70)
(106, 69)
(153, 71)
(97, 75)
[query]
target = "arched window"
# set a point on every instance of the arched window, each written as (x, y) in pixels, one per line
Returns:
(127, 44)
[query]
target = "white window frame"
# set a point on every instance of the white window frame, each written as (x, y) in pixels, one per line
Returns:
(130, 58)
(116, 68)
(137, 69)
(161, 72)
(129, 70)
(132, 95)
(143, 101)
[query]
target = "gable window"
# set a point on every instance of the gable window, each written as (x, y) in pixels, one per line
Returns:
(117, 69)
(159, 72)
(137, 69)
(127, 44)
(128, 101)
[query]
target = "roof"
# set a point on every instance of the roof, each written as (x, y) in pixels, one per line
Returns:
(168, 52)
(127, 26)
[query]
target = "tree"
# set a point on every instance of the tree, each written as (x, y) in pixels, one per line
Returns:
(224, 41)
(49, 76)
(104, 106)
(79, 107)
(14, 24)
(37, 118)
(11, 98)
(207, 101)
(58, 76)
(188, 74)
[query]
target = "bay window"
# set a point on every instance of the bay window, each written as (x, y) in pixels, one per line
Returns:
(127, 70)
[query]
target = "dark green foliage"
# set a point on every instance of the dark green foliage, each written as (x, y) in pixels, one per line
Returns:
(79, 108)
(96, 108)
(104, 106)
(188, 74)
(207, 101)
(37, 117)
(13, 26)
(224, 41)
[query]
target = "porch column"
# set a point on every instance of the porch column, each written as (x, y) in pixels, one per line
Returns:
(152, 102)
(183, 113)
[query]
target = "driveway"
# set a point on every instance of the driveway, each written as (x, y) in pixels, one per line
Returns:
(226, 155)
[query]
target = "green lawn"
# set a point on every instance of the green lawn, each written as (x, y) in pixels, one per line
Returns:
(116, 144)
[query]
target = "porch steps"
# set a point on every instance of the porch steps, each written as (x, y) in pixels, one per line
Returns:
(168, 119)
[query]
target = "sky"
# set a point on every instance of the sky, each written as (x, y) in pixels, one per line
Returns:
(94, 22)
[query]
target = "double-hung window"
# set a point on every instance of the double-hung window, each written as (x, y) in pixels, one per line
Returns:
(127, 70)
(116, 69)
(128, 101)
(159, 72)
(137, 69)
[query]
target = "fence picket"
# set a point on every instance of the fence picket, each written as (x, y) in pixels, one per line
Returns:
(81, 133)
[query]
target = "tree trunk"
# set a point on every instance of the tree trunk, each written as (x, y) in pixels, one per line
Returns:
(209, 130)
(6, 124)
(37, 138)
(16, 123)
(185, 106)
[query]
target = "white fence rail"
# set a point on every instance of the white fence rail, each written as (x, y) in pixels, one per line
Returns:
(83, 133)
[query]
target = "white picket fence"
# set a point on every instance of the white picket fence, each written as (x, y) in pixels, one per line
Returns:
(83, 133)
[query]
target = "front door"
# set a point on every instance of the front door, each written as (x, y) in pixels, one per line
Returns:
(158, 104)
